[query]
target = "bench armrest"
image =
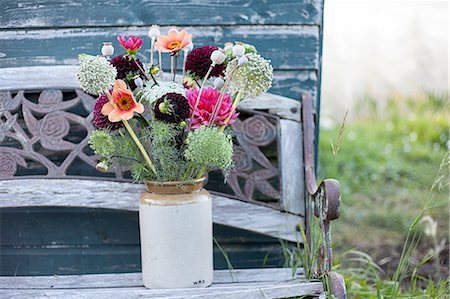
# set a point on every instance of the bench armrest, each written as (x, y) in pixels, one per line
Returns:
(323, 200)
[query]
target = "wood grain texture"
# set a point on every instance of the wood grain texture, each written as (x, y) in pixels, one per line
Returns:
(256, 283)
(289, 84)
(41, 13)
(291, 289)
(124, 196)
(135, 279)
(291, 166)
(288, 47)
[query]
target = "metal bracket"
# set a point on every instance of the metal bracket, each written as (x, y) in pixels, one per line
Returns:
(325, 201)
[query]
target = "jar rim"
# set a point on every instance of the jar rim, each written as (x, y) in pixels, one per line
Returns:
(175, 187)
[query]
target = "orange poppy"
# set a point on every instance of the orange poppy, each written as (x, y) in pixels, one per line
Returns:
(174, 41)
(122, 105)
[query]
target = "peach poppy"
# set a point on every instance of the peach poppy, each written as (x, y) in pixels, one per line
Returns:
(122, 105)
(174, 41)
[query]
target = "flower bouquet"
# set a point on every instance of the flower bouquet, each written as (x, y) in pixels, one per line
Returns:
(170, 129)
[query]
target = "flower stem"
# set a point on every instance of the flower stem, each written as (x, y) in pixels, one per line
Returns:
(219, 102)
(200, 172)
(184, 63)
(233, 109)
(134, 137)
(152, 49)
(175, 66)
(141, 69)
(198, 96)
(139, 145)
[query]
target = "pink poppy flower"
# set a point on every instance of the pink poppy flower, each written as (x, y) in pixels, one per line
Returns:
(174, 41)
(122, 105)
(206, 105)
(132, 44)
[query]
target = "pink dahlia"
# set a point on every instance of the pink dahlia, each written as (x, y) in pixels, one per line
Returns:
(101, 121)
(206, 105)
(132, 44)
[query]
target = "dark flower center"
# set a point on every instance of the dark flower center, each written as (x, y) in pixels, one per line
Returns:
(125, 103)
(173, 45)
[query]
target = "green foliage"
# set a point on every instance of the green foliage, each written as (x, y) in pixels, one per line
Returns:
(165, 151)
(209, 147)
(386, 165)
(102, 143)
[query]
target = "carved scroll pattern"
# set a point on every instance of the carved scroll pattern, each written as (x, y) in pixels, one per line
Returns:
(48, 123)
(252, 167)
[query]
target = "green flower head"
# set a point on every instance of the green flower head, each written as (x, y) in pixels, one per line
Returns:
(251, 78)
(208, 146)
(95, 74)
(102, 143)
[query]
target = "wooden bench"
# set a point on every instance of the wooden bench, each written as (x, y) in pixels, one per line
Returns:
(45, 160)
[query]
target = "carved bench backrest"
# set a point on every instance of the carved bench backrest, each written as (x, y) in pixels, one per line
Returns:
(46, 118)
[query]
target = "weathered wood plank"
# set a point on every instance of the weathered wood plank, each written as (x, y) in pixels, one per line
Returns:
(286, 83)
(40, 13)
(135, 279)
(244, 283)
(292, 167)
(288, 47)
(124, 196)
(289, 289)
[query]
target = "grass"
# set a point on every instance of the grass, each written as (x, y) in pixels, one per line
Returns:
(386, 159)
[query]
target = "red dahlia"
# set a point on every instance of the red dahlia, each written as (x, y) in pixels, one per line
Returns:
(199, 61)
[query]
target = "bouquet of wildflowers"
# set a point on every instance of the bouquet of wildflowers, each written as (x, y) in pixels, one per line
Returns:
(163, 127)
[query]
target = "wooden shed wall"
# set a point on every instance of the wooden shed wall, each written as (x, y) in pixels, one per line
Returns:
(41, 32)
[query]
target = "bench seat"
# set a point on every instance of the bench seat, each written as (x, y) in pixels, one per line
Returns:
(248, 283)
(125, 196)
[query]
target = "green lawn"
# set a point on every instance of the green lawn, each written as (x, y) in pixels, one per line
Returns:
(386, 161)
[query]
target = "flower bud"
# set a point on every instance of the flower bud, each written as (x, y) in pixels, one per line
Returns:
(102, 166)
(218, 82)
(217, 57)
(189, 47)
(183, 124)
(154, 32)
(139, 83)
(154, 69)
(107, 49)
(238, 50)
(228, 46)
(243, 60)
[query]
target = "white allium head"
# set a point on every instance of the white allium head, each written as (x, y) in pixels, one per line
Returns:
(252, 78)
(152, 92)
(95, 74)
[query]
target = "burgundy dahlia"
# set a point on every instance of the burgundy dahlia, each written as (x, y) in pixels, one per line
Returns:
(126, 66)
(101, 121)
(199, 61)
(171, 108)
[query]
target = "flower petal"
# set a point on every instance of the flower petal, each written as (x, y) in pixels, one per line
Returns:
(139, 108)
(107, 108)
(127, 115)
(115, 116)
(120, 84)
(173, 34)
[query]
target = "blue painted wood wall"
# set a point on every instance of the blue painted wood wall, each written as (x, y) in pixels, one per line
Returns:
(42, 32)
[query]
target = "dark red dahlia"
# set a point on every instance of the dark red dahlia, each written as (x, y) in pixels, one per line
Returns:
(199, 61)
(126, 67)
(101, 121)
(171, 108)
